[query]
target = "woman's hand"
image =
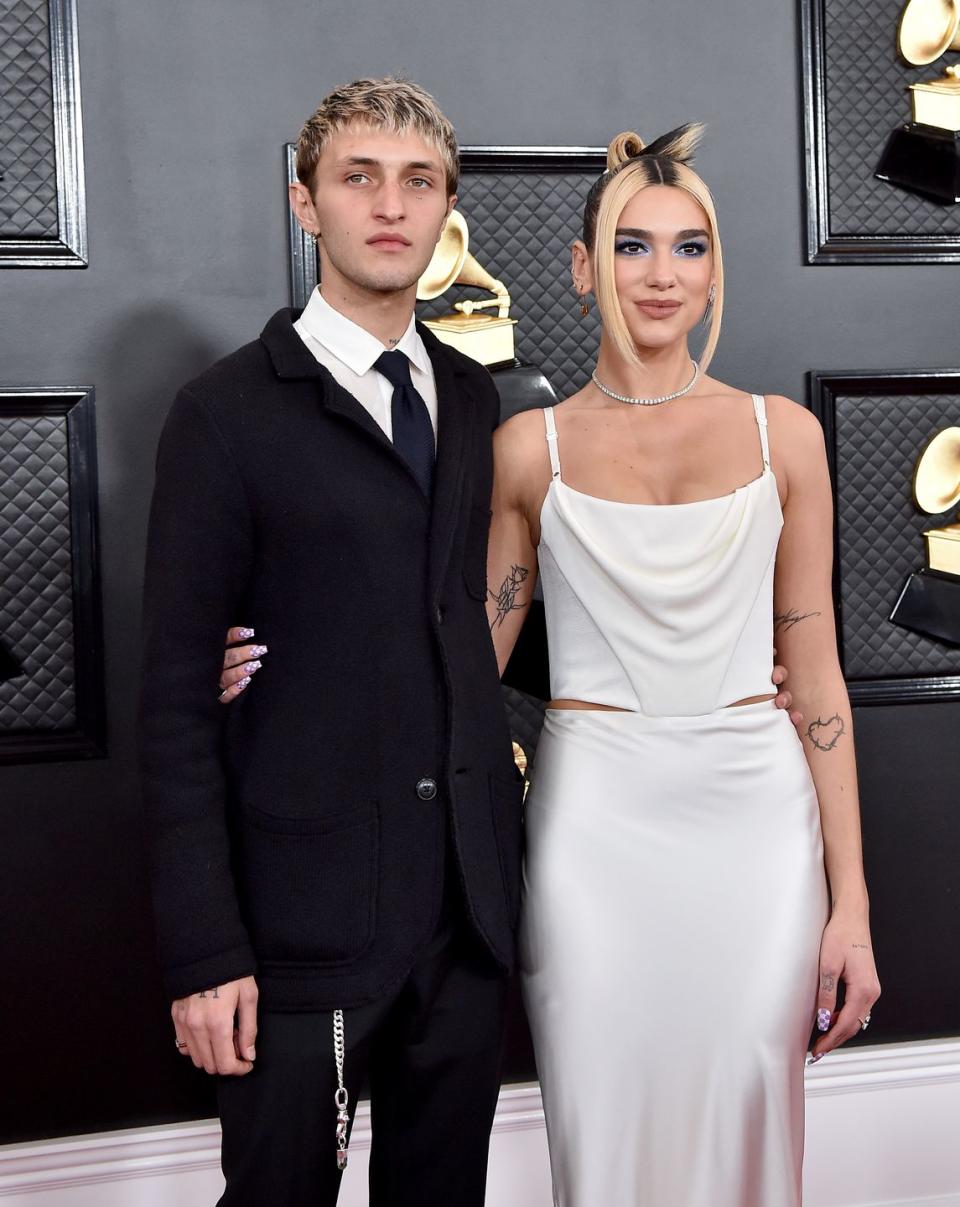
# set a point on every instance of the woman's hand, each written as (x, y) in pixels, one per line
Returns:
(240, 664)
(784, 698)
(846, 954)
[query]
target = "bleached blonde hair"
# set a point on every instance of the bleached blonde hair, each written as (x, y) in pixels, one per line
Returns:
(631, 167)
(385, 104)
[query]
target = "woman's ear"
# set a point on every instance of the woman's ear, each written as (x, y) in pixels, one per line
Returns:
(581, 268)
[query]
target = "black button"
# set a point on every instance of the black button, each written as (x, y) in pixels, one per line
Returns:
(426, 789)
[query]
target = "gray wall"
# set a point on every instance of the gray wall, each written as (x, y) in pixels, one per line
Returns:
(186, 108)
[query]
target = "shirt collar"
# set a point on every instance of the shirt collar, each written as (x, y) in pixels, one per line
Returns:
(349, 342)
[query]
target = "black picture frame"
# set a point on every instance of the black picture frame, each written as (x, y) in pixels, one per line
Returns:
(825, 388)
(86, 738)
(824, 243)
(303, 265)
(68, 249)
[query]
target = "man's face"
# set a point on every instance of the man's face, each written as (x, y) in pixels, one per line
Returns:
(379, 202)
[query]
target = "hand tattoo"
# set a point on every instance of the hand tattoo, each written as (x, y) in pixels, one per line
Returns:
(826, 734)
(786, 620)
(827, 982)
(214, 992)
(506, 597)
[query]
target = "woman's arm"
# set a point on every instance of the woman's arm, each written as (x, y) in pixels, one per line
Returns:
(807, 645)
(511, 553)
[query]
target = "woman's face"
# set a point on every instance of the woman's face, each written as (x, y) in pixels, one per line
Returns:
(663, 264)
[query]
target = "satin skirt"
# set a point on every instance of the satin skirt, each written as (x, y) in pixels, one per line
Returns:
(674, 901)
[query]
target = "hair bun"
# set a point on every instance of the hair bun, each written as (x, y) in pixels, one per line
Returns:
(627, 145)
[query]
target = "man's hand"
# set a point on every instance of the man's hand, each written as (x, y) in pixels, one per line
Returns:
(217, 1027)
(784, 698)
(240, 664)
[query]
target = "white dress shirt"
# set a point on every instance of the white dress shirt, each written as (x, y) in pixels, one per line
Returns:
(349, 352)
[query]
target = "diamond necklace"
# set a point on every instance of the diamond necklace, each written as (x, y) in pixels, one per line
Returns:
(648, 402)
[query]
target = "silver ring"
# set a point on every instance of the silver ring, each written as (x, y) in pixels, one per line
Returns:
(864, 1022)
(181, 1044)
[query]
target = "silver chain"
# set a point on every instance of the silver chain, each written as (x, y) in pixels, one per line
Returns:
(648, 402)
(341, 1098)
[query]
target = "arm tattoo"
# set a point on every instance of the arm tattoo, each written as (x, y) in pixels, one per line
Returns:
(826, 734)
(214, 992)
(786, 620)
(506, 597)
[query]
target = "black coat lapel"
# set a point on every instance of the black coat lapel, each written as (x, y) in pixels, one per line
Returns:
(454, 412)
(293, 360)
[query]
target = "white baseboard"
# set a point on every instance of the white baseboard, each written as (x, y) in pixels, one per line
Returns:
(883, 1130)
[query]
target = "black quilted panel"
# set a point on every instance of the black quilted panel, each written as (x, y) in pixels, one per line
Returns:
(36, 586)
(28, 191)
(878, 440)
(866, 97)
(525, 718)
(521, 227)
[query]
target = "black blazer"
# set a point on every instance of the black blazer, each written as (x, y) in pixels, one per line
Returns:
(296, 834)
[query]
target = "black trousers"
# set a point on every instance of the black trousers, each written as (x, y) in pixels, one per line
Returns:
(431, 1053)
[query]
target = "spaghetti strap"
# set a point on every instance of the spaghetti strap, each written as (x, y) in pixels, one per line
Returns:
(551, 425)
(760, 410)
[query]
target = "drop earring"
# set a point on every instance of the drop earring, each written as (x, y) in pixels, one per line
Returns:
(584, 305)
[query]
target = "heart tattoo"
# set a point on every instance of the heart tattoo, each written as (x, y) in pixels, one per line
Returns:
(826, 734)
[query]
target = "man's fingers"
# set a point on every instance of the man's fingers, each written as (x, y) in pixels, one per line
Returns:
(225, 1055)
(247, 1023)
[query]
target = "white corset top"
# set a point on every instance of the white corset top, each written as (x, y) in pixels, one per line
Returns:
(664, 609)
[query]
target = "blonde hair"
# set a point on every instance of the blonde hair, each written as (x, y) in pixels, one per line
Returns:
(631, 167)
(388, 104)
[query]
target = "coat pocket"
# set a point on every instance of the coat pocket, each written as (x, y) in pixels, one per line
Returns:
(506, 799)
(308, 886)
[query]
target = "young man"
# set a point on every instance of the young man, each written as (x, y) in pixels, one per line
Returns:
(335, 859)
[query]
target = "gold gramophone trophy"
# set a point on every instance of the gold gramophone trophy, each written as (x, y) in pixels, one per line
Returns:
(488, 338)
(930, 600)
(923, 156)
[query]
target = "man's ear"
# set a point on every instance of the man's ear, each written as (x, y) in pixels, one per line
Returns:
(451, 203)
(303, 208)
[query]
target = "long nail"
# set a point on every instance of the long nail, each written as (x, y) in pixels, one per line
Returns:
(819, 1056)
(258, 651)
(250, 667)
(244, 682)
(245, 634)
(823, 1019)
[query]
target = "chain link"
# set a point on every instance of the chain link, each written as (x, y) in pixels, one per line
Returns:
(341, 1098)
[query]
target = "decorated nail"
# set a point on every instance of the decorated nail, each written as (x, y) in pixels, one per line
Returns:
(245, 634)
(823, 1019)
(244, 682)
(258, 651)
(250, 667)
(819, 1056)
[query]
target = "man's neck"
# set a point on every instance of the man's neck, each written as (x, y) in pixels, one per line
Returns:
(385, 316)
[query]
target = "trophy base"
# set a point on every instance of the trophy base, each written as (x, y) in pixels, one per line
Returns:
(930, 604)
(483, 337)
(923, 160)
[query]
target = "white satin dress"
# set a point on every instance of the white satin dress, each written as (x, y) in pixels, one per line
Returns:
(674, 889)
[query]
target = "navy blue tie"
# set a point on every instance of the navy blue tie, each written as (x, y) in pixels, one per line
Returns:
(412, 429)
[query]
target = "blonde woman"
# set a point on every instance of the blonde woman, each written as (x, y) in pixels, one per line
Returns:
(694, 891)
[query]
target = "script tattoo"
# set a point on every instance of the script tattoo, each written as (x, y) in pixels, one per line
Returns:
(214, 992)
(786, 620)
(506, 597)
(826, 734)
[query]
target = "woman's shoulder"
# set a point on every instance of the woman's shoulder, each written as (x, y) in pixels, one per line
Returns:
(793, 420)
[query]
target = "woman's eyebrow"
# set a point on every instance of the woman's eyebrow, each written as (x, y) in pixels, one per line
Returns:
(635, 233)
